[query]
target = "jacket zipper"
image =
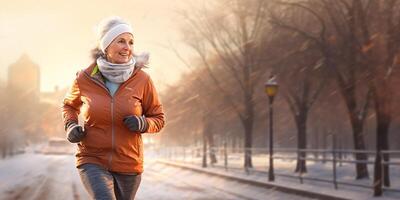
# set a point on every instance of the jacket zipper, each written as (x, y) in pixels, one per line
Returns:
(112, 132)
(110, 156)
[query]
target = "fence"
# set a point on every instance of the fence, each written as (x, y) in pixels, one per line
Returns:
(233, 160)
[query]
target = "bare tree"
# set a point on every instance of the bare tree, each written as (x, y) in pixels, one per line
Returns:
(192, 100)
(302, 89)
(335, 35)
(379, 23)
(228, 31)
(302, 76)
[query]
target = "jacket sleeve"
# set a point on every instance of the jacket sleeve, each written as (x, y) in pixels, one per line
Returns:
(71, 104)
(153, 110)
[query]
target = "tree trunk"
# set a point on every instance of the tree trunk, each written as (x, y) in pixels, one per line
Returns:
(301, 122)
(359, 144)
(383, 118)
(204, 164)
(208, 136)
(211, 146)
(248, 144)
(247, 122)
(386, 157)
(379, 169)
(324, 144)
(316, 142)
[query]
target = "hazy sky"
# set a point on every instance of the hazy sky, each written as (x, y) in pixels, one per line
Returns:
(58, 35)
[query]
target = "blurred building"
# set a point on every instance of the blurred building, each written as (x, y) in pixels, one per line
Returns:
(21, 100)
(24, 79)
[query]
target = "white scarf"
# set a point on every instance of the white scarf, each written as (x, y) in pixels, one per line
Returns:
(116, 73)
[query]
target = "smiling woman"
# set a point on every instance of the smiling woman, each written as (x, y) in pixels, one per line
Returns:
(121, 49)
(119, 103)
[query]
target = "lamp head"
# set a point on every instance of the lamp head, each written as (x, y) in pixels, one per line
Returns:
(271, 87)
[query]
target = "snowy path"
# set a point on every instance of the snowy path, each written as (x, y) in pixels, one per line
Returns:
(41, 177)
(317, 170)
(164, 182)
(36, 176)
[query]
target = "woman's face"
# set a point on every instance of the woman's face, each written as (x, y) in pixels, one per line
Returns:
(120, 50)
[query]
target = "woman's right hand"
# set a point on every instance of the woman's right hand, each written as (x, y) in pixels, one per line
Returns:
(75, 133)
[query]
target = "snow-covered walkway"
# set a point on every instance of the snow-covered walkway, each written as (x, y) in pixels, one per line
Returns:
(345, 174)
(48, 177)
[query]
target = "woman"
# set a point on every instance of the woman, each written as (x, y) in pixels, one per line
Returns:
(119, 103)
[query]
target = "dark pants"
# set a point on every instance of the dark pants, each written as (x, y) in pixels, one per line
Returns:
(105, 185)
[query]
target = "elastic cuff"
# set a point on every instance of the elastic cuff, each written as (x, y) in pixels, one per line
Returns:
(143, 125)
(69, 124)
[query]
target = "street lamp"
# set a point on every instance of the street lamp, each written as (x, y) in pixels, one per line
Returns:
(271, 88)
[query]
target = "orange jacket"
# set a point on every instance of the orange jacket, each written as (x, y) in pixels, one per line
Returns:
(108, 142)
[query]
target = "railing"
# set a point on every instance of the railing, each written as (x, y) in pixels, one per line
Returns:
(233, 160)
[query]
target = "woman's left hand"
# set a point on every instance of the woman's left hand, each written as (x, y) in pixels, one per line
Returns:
(136, 123)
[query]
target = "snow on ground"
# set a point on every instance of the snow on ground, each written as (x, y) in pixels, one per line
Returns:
(345, 173)
(37, 176)
(47, 177)
(163, 182)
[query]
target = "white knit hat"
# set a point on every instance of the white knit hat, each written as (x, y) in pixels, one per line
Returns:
(111, 28)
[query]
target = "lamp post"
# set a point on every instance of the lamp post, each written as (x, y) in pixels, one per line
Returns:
(271, 88)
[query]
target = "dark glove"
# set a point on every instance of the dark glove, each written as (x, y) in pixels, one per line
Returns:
(136, 123)
(75, 133)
